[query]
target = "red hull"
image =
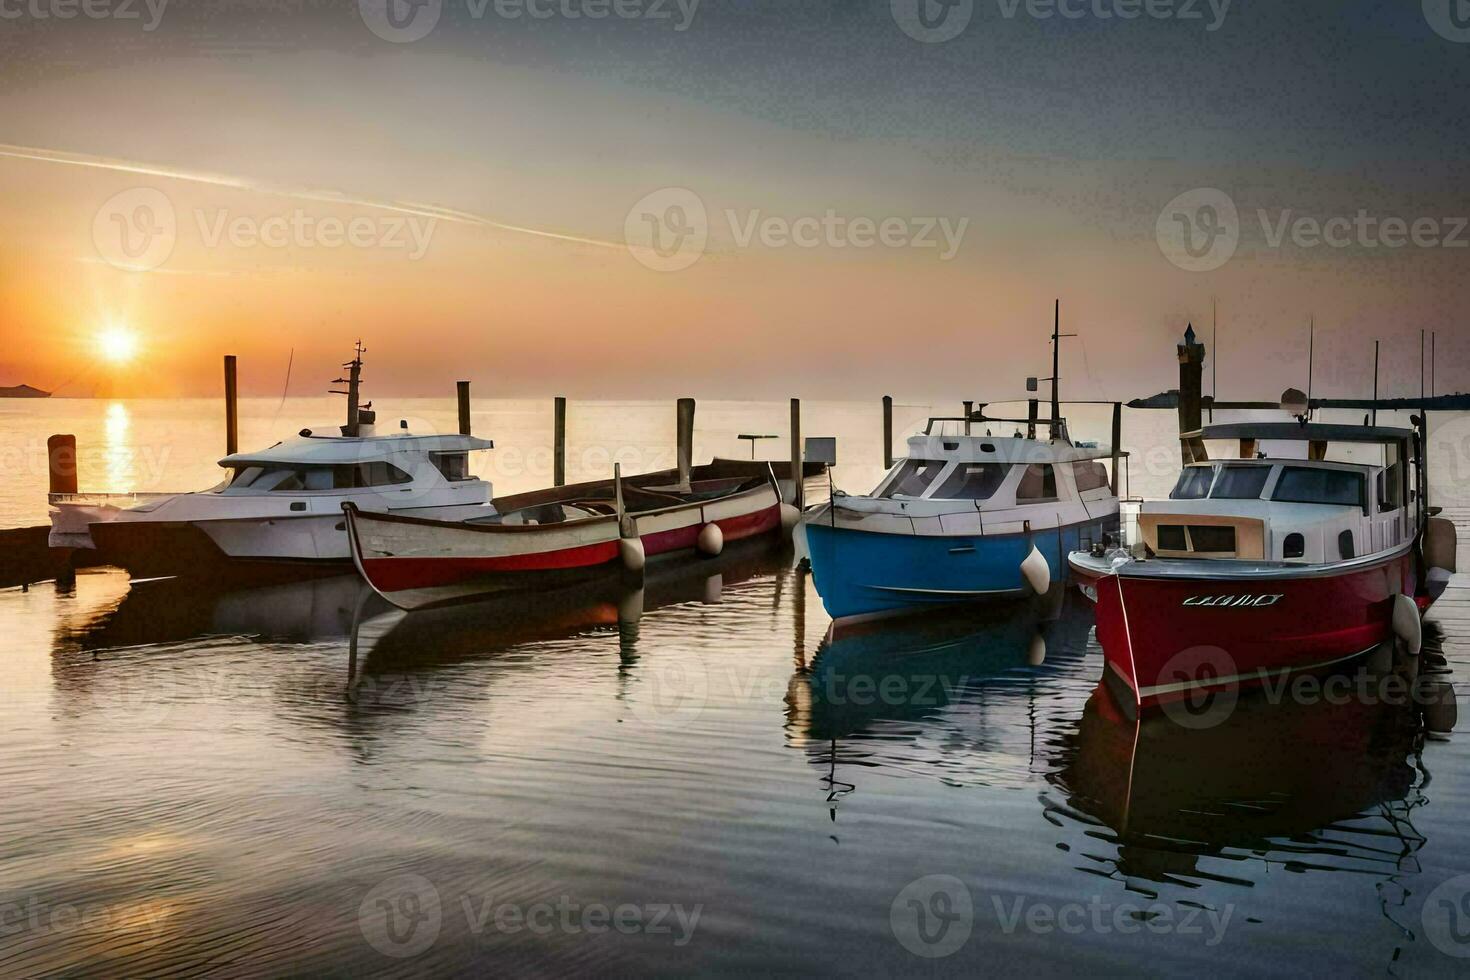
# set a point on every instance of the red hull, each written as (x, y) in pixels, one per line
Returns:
(1166, 639)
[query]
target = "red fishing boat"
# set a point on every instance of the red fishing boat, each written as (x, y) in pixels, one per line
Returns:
(567, 534)
(1267, 564)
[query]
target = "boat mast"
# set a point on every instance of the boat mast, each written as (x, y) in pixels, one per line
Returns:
(1311, 350)
(354, 387)
(1056, 351)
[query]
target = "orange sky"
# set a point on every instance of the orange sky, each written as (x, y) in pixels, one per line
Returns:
(519, 174)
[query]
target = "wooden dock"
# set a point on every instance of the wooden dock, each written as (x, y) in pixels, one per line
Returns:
(1451, 614)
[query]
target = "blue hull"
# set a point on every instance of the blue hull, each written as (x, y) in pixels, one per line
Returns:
(862, 573)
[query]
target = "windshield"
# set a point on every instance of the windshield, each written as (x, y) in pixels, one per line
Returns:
(1240, 483)
(914, 477)
(1194, 483)
(972, 481)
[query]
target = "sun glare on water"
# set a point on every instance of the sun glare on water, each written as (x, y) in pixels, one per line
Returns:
(117, 345)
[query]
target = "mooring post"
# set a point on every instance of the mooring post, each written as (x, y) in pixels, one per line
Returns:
(559, 443)
(798, 480)
(1191, 372)
(232, 408)
(1032, 408)
(463, 390)
(888, 432)
(969, 409)
(1117, 443)
(61, 463)
(684, 438)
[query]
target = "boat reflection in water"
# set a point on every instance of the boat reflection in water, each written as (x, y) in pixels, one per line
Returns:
(429, 638)
(953, 696)
(1272, 784)
(172, 610)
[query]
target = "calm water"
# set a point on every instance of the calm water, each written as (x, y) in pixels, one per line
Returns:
(690, 778)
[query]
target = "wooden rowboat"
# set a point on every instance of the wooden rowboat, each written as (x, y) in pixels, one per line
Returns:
(563, 535)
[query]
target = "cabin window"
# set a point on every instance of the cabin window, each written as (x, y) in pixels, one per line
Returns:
(1310, 485)
(1171, 538)
(289, 483)
(1345, 545)
(1038, 483)
(1090, 475)
(454, 466)
(972, 481)
(1240, 482)
(1212, 539)
(914, 477)
(1294, 546)
(246, 475)
(1194, 483)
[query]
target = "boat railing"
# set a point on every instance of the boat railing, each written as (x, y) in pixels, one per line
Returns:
(119, 499)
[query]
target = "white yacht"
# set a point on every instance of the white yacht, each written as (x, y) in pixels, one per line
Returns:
(279, 510)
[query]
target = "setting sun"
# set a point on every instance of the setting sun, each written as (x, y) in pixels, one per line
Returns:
(117, 344)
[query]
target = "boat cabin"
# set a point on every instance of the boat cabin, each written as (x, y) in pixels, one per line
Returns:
(999, 471)
(336, 464)
(1353, 492)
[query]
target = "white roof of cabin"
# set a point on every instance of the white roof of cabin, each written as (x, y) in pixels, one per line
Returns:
(1000, 449)
(337, 450)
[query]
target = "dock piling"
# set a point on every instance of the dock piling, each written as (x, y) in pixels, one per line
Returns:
(463, 390)
(887, 432)
(232, 408)
(61, 463)
(798, 481)
(684, 437)
(559, 440)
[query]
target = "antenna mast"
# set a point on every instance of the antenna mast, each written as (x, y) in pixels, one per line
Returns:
(1311, 351)
(1056, 352)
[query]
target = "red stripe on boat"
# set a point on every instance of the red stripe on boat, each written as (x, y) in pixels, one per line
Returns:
(399, 573)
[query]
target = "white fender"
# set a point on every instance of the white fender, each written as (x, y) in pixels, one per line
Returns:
(711, 540)
(630, 607)
(1036, 572)
(631, 550)
(798, 543)
(1407, 625)
(789, 517)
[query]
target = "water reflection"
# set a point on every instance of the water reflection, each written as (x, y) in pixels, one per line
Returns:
(960, 697)
(1295, 787)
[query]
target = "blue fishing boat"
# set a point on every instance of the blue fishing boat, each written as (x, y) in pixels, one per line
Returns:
(964, 518)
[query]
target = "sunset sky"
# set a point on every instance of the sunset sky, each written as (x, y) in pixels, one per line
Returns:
(258, 178)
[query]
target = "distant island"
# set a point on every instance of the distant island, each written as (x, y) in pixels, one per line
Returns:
(23, 391)
(1453, 403)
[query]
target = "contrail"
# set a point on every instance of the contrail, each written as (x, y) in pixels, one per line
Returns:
(240, 183)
